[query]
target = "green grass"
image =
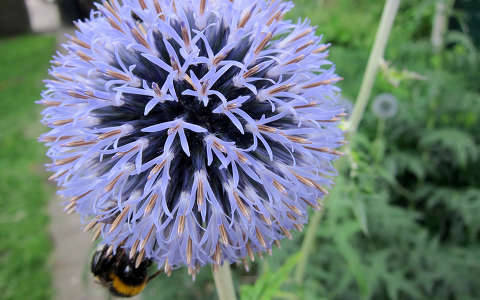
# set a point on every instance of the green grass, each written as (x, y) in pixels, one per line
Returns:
(25, 245)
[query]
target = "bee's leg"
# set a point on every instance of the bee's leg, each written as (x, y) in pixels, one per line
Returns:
(154, 275)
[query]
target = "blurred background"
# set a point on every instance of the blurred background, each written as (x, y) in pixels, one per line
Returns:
(401, 223)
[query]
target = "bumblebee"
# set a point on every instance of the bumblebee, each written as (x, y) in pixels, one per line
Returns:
(118, 273)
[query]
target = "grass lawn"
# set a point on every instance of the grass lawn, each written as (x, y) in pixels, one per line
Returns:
(24, 240)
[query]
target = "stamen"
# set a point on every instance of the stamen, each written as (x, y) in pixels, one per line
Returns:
(185, 36)
(219, 146)
(217, 256)
(120, 154)
(96, 235)
(277, 243)
(63, 77)
(263, 43)
(90, 225)
(173, 129)
(109, 134)
(311, 104)
(295, 60)
(303, 180)
(189, 251)
(110, 9)
(241, 157)
(158, 9)
(333, 120)
(109, 250)
(280, 187)
(118, 75)
(252, 71)
(157, 90)
(119, 218)
(140, 257)
(321, 49)
(223, 234)
(274, 17)
(187, 79)
(54, 138)
(62, 122)
(325, 150)
(145, 240)
(84, 56)
(181, 225)
(71, 210)
(77, 95)
(142, 4)
(68, 160)
(203, 3)
(57, 175)
(139, 38)
(150, 204)
(110, 186)
(51, 103)
(298, 227)
(250, 252)
(80, 43)
(308, 44)
(260, 238)
(301, 35)
(76, 198)
(266, 128)
(241, 206)
(266, 220)
(218, 58)
(293, 208)
(246, 16)
(71, 205)
(314, 206)
(114, 25)
(79, 143)
(133, 250)
(200, 194)
(281, 88)
(167, 268)
(323, 82)
(286, 232)
(291, 217)
(297, 139)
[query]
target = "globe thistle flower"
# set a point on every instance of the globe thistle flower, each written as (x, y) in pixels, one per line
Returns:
(385, 106)
(192, 132)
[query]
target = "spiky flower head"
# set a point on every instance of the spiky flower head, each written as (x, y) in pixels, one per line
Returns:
(192, 132)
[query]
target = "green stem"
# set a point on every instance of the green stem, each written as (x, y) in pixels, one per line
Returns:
(388, 16)
(307, 245)
(440, 24)
(224, 282)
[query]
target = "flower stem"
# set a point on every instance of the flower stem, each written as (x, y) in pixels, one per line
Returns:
(224, 282)
(307, 245)
(388, 16)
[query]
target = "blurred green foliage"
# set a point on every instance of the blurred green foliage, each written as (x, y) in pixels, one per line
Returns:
(402, 221)
(24, 240)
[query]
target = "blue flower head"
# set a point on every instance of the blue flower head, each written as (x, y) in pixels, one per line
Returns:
(192, 132)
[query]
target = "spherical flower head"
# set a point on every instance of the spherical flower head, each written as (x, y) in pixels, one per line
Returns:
(192, 132)
(385, 106)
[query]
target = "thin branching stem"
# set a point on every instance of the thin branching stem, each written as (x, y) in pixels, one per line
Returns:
(388, 16)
